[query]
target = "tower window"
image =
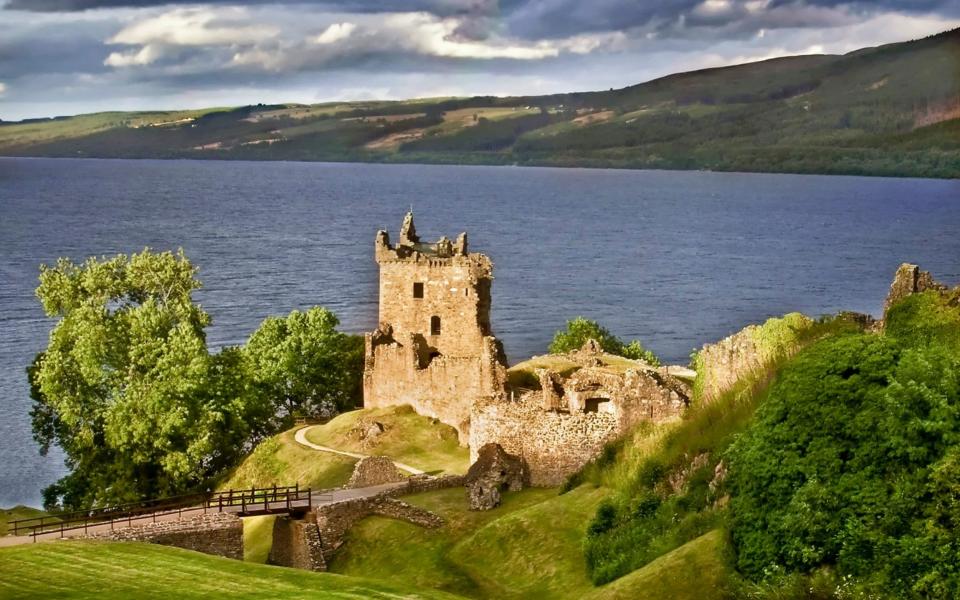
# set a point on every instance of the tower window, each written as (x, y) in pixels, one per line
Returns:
(434, 325)
(418, 290)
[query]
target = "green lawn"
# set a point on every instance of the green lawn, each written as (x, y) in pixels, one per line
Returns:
(418, 441)
(88, 569)
(282, 461)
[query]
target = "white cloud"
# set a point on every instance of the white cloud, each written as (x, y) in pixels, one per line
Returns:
(3, 88)
(144, 56)
(196, 27)
(335, 33)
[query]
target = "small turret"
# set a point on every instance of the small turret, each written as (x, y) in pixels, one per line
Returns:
(408, 233)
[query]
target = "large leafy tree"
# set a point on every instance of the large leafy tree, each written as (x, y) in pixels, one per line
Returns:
(304, 365)
(127, 387)
(580, 329)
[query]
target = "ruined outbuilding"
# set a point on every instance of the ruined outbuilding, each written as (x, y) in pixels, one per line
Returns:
(434, 348)
(493, 472)
(579, 402)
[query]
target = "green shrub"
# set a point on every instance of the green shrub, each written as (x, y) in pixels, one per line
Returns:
(580, 329)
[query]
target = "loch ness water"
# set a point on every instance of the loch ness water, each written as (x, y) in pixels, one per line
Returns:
(675, 259)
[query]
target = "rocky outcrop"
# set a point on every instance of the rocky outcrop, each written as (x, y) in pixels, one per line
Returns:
(494, 471)
(374, 470)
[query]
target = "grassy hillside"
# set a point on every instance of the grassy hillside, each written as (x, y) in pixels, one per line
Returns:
(16, 513)
(891, 110)
(421, 442)
(407, 437)
(135, 570)
(280, 460)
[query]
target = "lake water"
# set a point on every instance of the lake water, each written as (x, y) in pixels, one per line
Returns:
(675, 259)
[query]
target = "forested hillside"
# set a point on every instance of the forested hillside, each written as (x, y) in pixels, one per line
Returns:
(891, 110)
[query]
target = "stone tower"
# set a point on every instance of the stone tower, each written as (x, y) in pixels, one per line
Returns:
(433, 348)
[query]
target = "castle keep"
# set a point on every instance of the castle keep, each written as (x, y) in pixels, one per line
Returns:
(434, 348)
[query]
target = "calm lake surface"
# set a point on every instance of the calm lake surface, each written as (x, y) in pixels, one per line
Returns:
(675, 259)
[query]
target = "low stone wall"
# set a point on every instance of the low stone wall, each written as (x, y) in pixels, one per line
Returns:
(220, 534)
(296, 543)
(335, 520)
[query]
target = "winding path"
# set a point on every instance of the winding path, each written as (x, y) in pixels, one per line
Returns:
(301, 438)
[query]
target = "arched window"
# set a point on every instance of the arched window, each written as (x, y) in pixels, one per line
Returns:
(434, 325)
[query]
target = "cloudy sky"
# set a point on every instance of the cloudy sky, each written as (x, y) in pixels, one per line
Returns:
(71, 56)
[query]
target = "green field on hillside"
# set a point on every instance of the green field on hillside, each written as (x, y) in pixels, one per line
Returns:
(88, 569)
(279, 460)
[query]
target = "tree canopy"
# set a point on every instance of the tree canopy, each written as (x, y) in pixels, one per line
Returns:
(304, 364)
(580, 329)
(127, 387)
(853, 460)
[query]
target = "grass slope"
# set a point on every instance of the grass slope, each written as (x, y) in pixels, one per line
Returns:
(16, 513)
(698, 570)
(135, 570)
(405, 554)
(890, 110)
(281, 460)
(412, 439)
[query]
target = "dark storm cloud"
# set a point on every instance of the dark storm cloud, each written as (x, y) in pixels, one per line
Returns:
(439, 7)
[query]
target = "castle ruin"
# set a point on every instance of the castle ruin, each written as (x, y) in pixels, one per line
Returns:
(434, 350)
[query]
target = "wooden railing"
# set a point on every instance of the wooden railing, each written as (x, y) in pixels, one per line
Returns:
(248, 502)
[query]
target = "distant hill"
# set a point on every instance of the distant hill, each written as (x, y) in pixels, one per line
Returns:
(890, 110)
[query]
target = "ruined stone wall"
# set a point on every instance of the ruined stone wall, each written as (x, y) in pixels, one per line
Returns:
(552, 444)
(296, 544)
(335, 520)
(444, 389)
(218, 533)
(374, 470)
(451, 291)
(909, 279)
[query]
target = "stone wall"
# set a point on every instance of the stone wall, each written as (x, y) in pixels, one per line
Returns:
(721, 365)
(552, 444)
(559, 428)
(218, 533)
(909, 279)
(296, 544)
(335, 520)
(374, 470)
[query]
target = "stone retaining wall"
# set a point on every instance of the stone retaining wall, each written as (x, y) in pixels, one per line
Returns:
(296, 543)
(220, 534)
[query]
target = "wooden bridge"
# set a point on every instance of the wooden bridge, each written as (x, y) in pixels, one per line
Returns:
(243, 503)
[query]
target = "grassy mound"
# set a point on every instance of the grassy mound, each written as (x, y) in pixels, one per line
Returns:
(87, 569)
(407, 437)
(403, 553)
(16, 513)
(281, 460)
(698, 570)
(534, 552)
